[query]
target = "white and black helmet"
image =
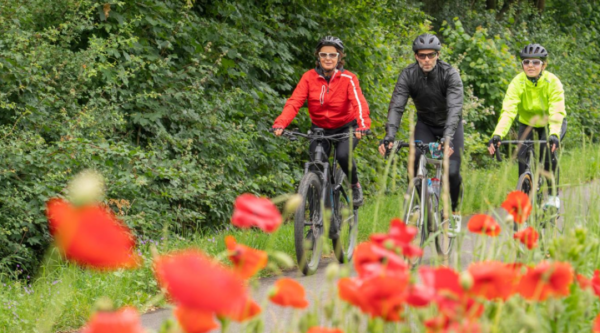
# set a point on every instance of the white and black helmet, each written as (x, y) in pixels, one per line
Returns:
(330, 41)
(533, 51)
(426, 42)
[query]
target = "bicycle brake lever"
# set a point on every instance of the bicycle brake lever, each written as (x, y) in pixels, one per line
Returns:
(498, 155)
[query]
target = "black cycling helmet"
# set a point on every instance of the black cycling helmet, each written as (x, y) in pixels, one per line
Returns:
(533, 51)
(426, 42)
(330, 41)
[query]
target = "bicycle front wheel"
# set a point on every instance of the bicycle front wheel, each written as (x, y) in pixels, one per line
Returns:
(415, 214)
(308, 224)
(440, 226)
(345, 219)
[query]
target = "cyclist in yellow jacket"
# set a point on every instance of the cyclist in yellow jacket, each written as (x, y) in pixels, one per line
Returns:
(538, 98)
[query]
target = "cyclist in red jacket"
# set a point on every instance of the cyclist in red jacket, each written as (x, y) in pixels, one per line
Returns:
(335, 103)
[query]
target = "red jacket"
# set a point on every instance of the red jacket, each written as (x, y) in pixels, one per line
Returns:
(329, 105)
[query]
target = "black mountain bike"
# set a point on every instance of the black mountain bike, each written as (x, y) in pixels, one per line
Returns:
(422, 206)
(532, 182)
(323, 188)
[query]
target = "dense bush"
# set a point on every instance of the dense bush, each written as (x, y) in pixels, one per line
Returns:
(169, 100)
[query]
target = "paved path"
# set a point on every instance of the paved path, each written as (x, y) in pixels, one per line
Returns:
(577, 198)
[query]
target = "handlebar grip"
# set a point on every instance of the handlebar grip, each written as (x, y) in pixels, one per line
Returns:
(498, 155)
(388, 150)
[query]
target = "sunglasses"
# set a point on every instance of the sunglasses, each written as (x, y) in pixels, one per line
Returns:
(422, 56)
(324, 55)
(535, 63)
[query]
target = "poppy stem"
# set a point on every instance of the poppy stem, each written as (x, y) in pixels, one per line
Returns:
(497, 317)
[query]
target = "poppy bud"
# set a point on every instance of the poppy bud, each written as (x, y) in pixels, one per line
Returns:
(292, 204)
(332, 271)
(466, 280)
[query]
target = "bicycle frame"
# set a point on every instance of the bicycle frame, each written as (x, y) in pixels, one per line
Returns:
(320, 166)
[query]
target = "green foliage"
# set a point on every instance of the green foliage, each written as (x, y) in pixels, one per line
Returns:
(170, 101)
(486, 64)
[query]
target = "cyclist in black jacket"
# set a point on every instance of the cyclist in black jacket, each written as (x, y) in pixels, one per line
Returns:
(437, 91)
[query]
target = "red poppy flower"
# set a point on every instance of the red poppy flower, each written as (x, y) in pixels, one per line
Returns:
(246, 260)
(324, 330)
(596, 327)
(195, 321)
(596, 282)
(400, 237)
(465, 326)
(528, 237)
(288, 292)
(384, 296)
(583, 281)
(91, 236)
(243, 311)
(124, 320)
(371, 259)
(251, 211)
(518, 205)
(348, 290)
(195, 281)
(450, 297)
(545, 280)
(492, 280)
(419, 295)
(437, 324)
(484, 224)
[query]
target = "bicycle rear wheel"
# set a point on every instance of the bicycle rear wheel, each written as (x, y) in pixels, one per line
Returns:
(415, 214)
(308, 224)
(439, 226)
(344, 218)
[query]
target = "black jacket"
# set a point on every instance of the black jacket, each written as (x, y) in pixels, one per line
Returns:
(438, 98)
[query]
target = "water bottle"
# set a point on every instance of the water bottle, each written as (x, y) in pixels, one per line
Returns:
(435, 185)
(429, 186)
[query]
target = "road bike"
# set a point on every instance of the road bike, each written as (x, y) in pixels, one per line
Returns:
(422, 200)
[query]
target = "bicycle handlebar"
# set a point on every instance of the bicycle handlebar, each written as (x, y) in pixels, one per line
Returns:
(316, 135)
(512, 142)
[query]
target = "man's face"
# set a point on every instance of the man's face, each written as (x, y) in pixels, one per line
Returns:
(426, 59)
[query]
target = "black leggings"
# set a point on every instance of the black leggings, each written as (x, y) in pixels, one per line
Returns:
(342, 149)
(429, 134)
(545, 156)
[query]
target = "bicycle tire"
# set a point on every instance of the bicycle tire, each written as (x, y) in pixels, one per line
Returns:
(307, 236)
(345, 219)
(525, 185)
(443, 241)
(414, 215)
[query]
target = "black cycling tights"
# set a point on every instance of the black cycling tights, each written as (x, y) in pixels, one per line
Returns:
(427, 134)
(550, 162)
(342, 151)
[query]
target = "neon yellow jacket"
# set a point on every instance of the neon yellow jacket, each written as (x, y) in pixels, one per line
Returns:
(537, 106)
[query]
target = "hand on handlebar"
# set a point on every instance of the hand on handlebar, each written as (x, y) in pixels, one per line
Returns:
(385, 146)
(359, 134)
(278, 131)
(494, 142)
(554, 142)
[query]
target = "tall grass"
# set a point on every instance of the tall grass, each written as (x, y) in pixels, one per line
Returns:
(63, 295)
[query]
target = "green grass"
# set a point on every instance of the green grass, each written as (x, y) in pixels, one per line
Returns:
(62, 297)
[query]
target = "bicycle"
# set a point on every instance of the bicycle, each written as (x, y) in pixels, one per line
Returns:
(309, 217)
(531, 182)
(423, 209)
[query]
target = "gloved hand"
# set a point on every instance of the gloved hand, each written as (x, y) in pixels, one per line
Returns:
(385, 146)
(493, 144)
(450, 145)
(553, 142)
(359, 133)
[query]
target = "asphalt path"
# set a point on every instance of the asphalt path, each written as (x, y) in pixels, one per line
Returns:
(469, 247)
